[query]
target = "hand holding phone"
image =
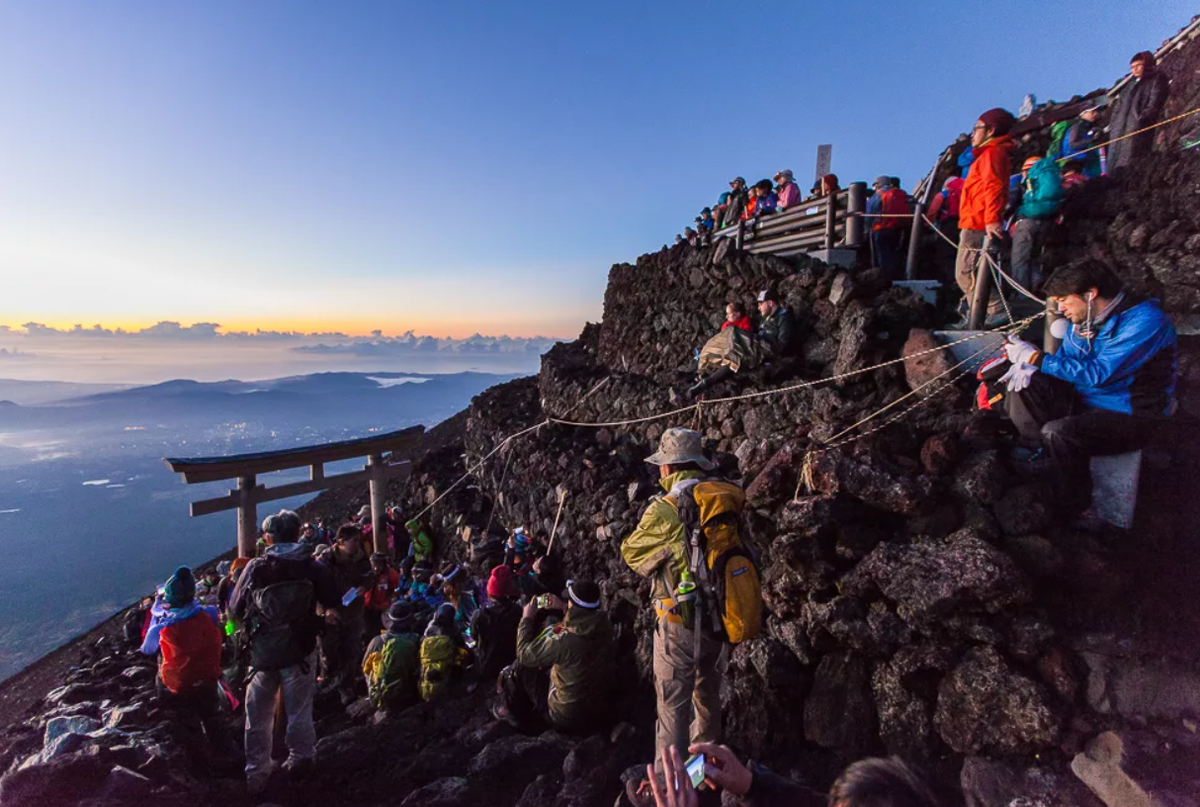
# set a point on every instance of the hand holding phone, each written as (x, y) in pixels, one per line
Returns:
(695, 771)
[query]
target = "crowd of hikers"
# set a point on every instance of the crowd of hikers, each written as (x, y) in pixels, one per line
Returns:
(984, 204)
(345, 614)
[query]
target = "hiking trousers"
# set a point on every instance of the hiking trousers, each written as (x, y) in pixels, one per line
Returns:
(688, 689)
(296, 685)
(1028, 236)
(966, 264)
(1049, 410)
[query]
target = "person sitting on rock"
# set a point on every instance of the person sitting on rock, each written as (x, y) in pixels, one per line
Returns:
(455, 592)
(578, 652)
(737, 317)
(871, 782)
(732, 350)
(1105, 391)
(392, 663)
(494, 626)
(275, 602)
(189, 636)
(341, 639)
(443, 654)
(381, 592)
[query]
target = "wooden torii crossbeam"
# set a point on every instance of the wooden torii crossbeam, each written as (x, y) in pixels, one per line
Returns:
(249, 494)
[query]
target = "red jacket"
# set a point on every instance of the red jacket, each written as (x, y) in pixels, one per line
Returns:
(893, 203)
(380, 596)
(743, 323)
(985, 192)
(191, 653)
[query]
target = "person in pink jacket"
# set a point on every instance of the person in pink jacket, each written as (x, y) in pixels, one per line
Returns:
(787, 190)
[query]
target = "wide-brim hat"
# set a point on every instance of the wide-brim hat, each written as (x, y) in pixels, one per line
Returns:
(399, 615)
(677, 446)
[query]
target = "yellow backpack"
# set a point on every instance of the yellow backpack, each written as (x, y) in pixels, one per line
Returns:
(724, 568)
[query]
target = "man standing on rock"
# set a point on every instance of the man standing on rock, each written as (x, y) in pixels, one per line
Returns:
(688, 664)
(275, 602)
(981, 208)
(1140, 105)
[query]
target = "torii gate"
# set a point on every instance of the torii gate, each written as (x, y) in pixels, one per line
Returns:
(248, 494)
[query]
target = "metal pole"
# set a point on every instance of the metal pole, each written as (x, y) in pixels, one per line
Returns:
(856, 205)
(914, 240)
(376, 483)
(247, 517)
(922, 204)
(830, 220)
(983, 287)
(1050, 344)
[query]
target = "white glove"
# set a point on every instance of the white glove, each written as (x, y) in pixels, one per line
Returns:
(1019, 351)
(1018, 376)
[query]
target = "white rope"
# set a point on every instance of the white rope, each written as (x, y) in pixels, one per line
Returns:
(991, 260)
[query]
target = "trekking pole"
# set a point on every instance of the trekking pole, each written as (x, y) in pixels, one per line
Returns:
(554, 532)
(983, 287)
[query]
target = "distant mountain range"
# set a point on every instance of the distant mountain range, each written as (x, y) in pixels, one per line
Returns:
(231, 416)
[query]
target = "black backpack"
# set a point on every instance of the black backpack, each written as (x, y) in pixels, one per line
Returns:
(282, 625)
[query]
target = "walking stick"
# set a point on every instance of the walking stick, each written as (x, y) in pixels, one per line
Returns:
(554, 532)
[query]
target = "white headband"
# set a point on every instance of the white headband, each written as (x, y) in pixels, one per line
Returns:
(575, 599)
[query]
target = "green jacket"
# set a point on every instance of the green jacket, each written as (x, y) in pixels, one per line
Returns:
(422, 544)
(658, 548)
(579, 652)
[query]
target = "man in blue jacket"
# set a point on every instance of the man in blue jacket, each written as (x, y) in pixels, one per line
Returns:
(1106, 389)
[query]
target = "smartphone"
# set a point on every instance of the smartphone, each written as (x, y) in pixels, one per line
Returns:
(695, 770)
(543, 601)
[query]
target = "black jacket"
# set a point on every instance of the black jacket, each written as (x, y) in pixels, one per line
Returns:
(494, 628)
(1139, 106)
(777, 334)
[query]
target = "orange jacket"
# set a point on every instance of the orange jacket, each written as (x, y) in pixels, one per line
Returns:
(985, 193)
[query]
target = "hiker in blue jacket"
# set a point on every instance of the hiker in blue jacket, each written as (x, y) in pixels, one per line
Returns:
(1107, 388)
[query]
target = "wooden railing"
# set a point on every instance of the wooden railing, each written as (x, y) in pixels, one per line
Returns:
(249, 494)
(825, 222)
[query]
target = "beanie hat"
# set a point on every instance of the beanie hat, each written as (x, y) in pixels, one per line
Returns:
(521, 542)
(501, 583)
(584, 593)
(180, 589)
(999, 120)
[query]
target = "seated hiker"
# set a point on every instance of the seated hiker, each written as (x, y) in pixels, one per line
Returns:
(419, 588)
(455, 592)
(735, 202)
(392, 662)
(494, 626)
(189, 669)
(404, 577)
(732, 350)
(443, 654)
(762, 202)
(1106, 389)
(787, 192)
(381, 592)
(873, 782)
(578, 652)
(737, 317)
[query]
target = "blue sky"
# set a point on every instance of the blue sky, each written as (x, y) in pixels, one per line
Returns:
(461, 167)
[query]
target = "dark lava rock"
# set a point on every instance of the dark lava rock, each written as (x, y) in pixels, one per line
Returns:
(1022, 510)
(905, 691)
(923, 362)
(840, 712)
(67, 779)
(450, 791)
(928, 581)
(940, 453)
(985, 706)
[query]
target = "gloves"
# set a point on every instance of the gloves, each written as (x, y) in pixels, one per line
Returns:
(1019, 351)
(1018, 376)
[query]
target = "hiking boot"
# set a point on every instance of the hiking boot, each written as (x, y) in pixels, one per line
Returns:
(299, 770)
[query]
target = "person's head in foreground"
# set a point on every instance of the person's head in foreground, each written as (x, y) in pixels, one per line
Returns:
(1082, 289)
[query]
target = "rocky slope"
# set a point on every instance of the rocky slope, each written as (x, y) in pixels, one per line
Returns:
(922, 598)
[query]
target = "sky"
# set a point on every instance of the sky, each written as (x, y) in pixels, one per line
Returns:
(460, 168)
